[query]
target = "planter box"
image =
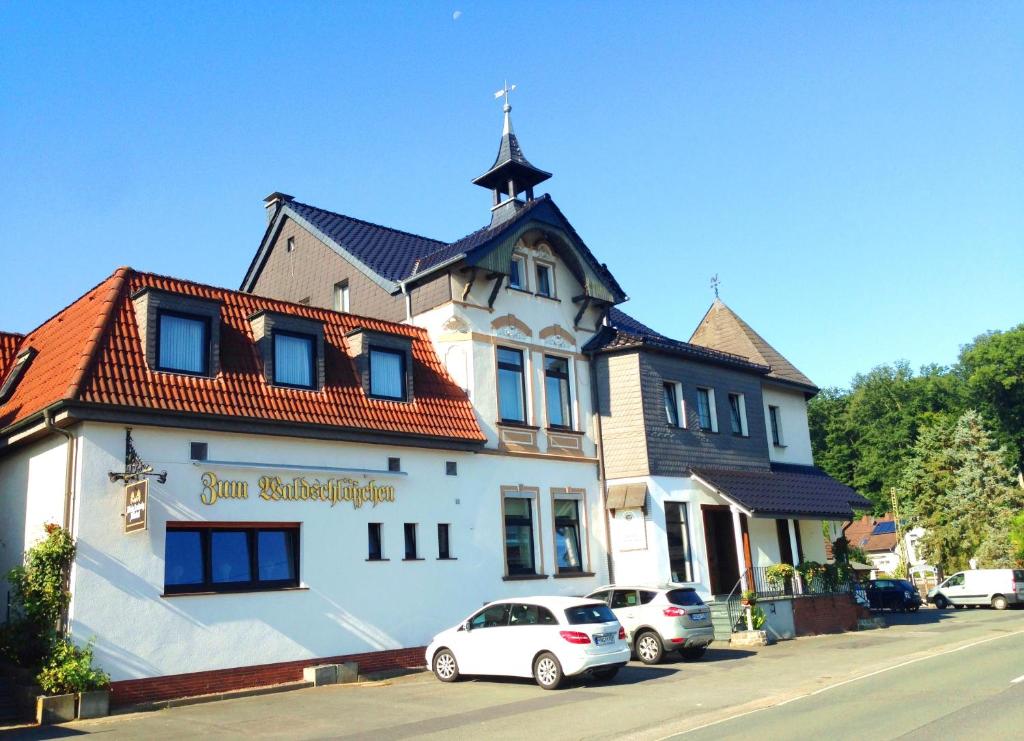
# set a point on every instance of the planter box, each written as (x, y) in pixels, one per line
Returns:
(95, 704)
(749, 638)
(55, 709)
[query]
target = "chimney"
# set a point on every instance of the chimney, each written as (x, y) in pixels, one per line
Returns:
(273, 202)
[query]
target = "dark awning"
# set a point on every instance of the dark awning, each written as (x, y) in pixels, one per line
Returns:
(785, 491)
(626, 496)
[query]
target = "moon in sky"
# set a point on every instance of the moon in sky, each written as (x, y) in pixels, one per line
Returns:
(456, 15)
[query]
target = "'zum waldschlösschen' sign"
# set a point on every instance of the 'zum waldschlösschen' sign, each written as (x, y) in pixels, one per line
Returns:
(299, 489)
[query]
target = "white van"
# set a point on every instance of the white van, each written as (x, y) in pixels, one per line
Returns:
(996, 587)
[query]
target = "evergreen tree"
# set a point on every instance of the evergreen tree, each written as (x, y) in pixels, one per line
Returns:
(957, 486)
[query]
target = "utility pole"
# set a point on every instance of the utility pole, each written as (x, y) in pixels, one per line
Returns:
(901, 543)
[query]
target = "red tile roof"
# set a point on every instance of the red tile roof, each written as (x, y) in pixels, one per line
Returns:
(860, 534)
(91, 352)
(9, 343)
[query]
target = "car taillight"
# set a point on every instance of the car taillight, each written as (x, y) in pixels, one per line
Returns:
(674, 612)
(622, 633)
(574, 636)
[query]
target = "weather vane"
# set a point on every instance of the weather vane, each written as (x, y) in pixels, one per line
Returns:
(715, 283)
(504, 92)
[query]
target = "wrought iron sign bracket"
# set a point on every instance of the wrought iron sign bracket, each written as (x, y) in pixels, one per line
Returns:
(134, 467)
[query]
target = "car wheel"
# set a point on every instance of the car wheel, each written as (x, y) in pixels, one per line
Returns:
(606, 674)
(941, 602)
(999, 602)
(693, 653)
(648, 648)
(446, 668)
(547, 671)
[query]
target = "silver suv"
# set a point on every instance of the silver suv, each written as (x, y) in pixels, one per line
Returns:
(672, 617)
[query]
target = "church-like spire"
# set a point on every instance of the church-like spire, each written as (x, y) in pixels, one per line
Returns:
(511, 173)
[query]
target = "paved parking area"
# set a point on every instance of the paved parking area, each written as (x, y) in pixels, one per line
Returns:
(642, 702)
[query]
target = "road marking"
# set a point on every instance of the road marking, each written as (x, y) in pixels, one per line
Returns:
(875, 673)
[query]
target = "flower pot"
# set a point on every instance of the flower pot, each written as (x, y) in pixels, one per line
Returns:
(55, 709)
(94, 704)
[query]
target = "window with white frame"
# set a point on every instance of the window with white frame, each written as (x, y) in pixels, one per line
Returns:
(558, 392)
(568, 536)
(738, 414)
(706, 412)
(511, 385)
(341, 296)
(517, 273)
(675, 408)
(545, 282)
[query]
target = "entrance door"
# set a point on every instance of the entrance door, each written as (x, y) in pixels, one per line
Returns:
(720, 541)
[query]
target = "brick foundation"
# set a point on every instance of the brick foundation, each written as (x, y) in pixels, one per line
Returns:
(151, 689)
(826, 614)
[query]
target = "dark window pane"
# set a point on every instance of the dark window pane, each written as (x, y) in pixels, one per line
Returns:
(567, 535)
(511, 392)
(671, 405)
(704, 408)
(519, 536)
(276, 550)
(183, 558)
(684, 597)
(229, 557)
(556, 391)
(373, 535)
(443, 548)
(182, 343)
(495, 616)
(624, 598)
(773, 415)
(293, 360)
(678, 535)
(514, 277)
(543, 280)
(589, 614)
(646, 596)
(734, 414)
(410, 541)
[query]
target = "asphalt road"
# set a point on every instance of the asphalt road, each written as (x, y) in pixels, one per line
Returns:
(947, 672)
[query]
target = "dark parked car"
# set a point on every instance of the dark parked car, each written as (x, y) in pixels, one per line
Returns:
(893, 594)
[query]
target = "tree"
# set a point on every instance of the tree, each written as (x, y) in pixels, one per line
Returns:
(993, 367)
(958, 487)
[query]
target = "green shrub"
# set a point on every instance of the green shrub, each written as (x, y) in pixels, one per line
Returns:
(757, 618)
(69, 669)
(810, 570)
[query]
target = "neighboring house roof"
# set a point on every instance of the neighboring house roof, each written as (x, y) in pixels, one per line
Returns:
(722, 329)
(90, 354)
(626, 333)
(391, 257)
(785, 491)
(873, 534)
(9, 344)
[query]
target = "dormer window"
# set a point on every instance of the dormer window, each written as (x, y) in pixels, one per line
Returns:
(387, 374)
(184, 344)
(544, 286)
(21, 363)
(516, 273)
(295, 360)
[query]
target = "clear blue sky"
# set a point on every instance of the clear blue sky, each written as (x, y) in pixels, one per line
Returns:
(853, 172)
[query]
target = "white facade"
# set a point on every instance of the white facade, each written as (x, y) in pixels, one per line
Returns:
(345, 603)
(794, 431)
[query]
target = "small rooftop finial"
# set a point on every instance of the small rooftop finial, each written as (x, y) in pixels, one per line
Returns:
(715, 283)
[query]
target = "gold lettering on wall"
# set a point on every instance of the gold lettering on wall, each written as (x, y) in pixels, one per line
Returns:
(299, 489)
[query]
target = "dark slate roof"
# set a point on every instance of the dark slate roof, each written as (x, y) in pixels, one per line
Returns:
(511, 163)
(626, 333)
(388, 252)
(786, 490)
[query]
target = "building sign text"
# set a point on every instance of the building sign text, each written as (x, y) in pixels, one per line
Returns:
(299, 489)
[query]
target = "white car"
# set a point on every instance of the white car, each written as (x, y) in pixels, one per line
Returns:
(547, 638)
(997, 587)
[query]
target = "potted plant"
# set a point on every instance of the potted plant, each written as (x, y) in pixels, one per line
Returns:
(69, 672)
(810, 570)
(748, 598)
(780, 575)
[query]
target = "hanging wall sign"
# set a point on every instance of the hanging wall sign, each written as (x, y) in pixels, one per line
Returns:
(136, 499)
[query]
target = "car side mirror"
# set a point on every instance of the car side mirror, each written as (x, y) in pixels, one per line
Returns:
(466, 626)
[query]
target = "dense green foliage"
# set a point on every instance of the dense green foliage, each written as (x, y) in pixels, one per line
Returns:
(69, 669)
(950, 440)
(39, 597)
(33, 637)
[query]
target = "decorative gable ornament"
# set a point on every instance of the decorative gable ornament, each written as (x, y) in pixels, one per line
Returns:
(557, 341)
(456, 324)
(512, 332)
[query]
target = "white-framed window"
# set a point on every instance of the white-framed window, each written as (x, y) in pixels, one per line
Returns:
(675, 406)
(520, 513)
(738, 414)
(707, 413)
(558, 392)
(775, 422)
(517, 273)
(511, 385)
(545, 280)
(341, 296)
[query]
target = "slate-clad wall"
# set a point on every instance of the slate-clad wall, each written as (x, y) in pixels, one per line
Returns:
(620, 405)
(672, 449)
(313, 269)
(434, 292)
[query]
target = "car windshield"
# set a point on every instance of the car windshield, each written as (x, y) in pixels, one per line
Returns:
(588, 614)
(1018, 575)
(684, 597)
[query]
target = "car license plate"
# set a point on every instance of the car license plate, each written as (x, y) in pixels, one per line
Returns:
(603, 639)
(699, 616)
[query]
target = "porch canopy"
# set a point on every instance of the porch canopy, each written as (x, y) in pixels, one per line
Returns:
(785, 491)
